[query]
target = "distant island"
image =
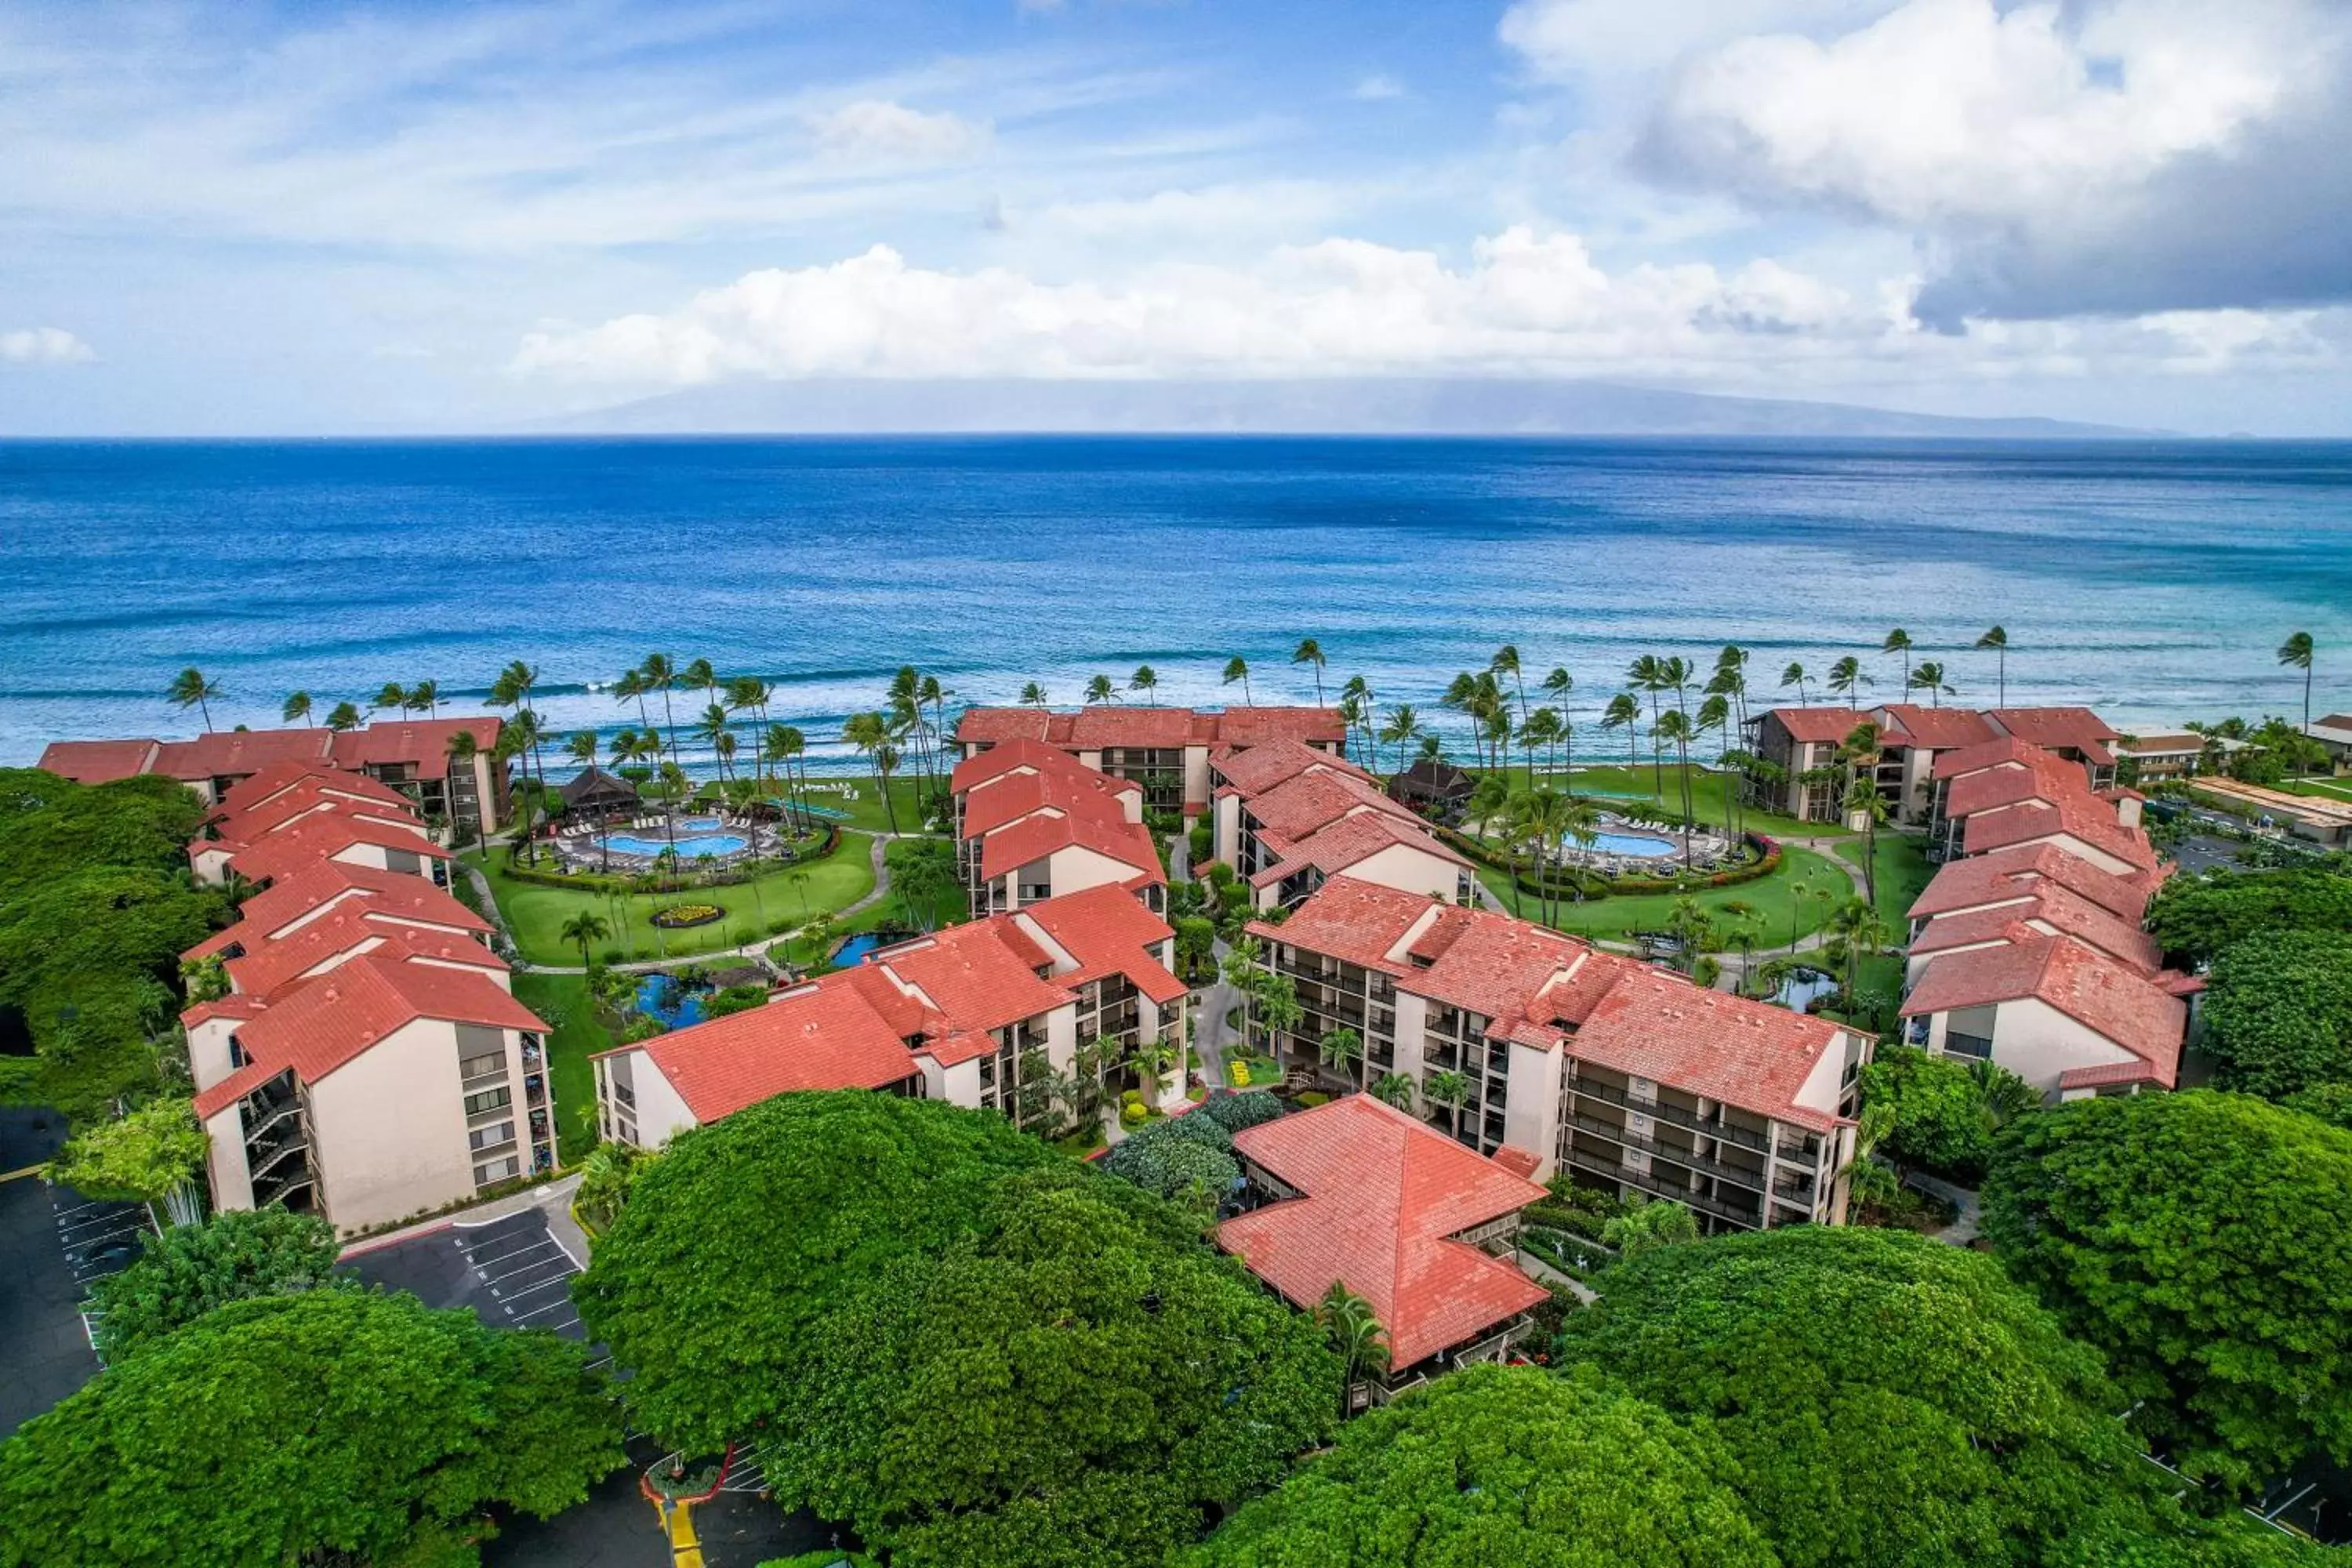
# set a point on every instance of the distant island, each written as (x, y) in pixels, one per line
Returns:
(1368, 407)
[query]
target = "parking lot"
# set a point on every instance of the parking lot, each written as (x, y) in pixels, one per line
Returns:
(512, 1271)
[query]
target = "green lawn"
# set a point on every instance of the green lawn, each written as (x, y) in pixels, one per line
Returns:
(776, 900)
(1903, 871)
(562, 1001)
(2324, 789)
(890, 912)
(864, 803)
(1607, 784)
(1773, 898)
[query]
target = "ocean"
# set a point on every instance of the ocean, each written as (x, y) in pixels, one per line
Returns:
(2151, 580)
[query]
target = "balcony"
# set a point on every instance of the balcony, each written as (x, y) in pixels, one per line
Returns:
(1752, 1178)
(1673, 1115)
(1585, 1159)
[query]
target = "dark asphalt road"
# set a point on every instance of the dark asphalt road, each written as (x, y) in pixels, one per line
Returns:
(53, 1245)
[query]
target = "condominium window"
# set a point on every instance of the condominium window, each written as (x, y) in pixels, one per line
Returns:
(487, 1101)
(483, 1066)
(496, 1171)
(491, 1136)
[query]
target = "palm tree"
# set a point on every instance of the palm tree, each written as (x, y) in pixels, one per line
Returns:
(1351, 719)
(660, 674)
(711, 728)
(1847, 679)
(1997, 640)
(1393, 1089)
(1870, 1182)
(1930, 678)
(1358, 692)
(1647, 675)
(1624, 712)
(585, 928)
(1033, 695)
(1674, 727)
(632, 687)
(1311, 652)
(1715, 714)
(393, 699)
(584, 745)
(345, 716)
(1402, 725)
(869, 735)
(1343, 1051)
(298, 706)
(1488, 797)
(1899, 641)
(1795, 676)
(724, 746)
(1507, 662)
(1145, 680)
(189, 688)
(1100, 689)
(1449, 1091)
(1347, 1319)
(2294, 653)
(425, 696)
(1546, 816)
(1542, 729)
(699, 673)
(1237, 668)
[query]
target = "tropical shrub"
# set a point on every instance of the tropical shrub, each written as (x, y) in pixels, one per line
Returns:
(1887, 1398)
(1495, 1465)
(140, 1157)
(1244, 1108)
(2278, 1011)
(2201, 916)
(1940, 1118)
(192, 1269)
(2203, 1242)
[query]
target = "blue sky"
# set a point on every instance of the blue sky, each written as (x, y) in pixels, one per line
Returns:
(247, 219)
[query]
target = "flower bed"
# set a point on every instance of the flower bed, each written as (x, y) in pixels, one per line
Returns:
(678, 917)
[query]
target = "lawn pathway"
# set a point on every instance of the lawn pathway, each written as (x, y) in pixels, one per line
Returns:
(878, 852)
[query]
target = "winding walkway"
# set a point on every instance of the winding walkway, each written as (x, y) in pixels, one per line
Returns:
(878, 852)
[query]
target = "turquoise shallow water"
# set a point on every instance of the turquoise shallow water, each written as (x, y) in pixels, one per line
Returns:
(2152, 579)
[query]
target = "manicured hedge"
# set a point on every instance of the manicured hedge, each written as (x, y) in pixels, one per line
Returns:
(599, 882)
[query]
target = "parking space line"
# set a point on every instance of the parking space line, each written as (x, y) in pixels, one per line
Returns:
(551, 1306)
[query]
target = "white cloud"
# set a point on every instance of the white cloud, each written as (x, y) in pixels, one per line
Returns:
(1582, 40)
(1377, 87)
(2052, 158)
(1527, 304)
(876, 130)
(43, 345)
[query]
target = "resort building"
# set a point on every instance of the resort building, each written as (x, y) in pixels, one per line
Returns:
(412, 756)
(345, 836)
(1801, 744)
(2334, 732)
(2060, 1014)
(1538, 1049)
(2006, 793)
(292, 809)
(386, 1084)
(1033, 823)
(985, 1016)
(1287, 818)
(1164, 749)
(1360, 1194)
(2155, 758)
(398, 902)
(1435, 788)
(1972, 903)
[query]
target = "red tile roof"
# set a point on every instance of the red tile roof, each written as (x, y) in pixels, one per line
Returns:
(1260, 768)
(1034, 837)
(2041, 776)
(349, 929)
(1301, 805)
(231, 753)
(2083, 818)
(1822, 725)
(2068, 913)
(1012, 796)
(1934, 729)
(1094, 728)
(328, 1020)
(1381, 1196)
(1988, 754)
(978, 975)
(394, 895)
(1107, 931)
(1035, 756)
(419, 742)
(1349, 841)
(279, 777)
(2107, 1074)
(822, 1035)
(1655, 1025)
(98, 762)
(2108, 998)
(2073, 728)
(2003, 875)
(1360, 922)
(311, 793)
(322, 837)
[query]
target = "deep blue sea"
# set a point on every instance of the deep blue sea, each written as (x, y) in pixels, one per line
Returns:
(2152, 580)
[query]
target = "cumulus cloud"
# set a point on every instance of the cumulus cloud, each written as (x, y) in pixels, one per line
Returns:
(877, 130)
(1526, 303)
(1582, 40)
(43, 345)
(1377, 87)
(2105, 156)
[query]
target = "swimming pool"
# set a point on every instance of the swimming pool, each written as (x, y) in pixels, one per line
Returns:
(855, 949)
(689, 844)
(1633, 846)
(661, 997)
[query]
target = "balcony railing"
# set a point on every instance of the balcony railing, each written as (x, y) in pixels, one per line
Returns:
(275, 1159)
(1583, 1159)
(1750, 1177)
(1674, 1114)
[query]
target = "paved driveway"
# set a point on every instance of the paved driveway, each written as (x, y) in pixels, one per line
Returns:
(512, 1271)
(54, 1244)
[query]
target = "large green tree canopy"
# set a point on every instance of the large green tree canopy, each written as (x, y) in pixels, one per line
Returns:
(190, 1269)
(336, 1422)
(2203, 1241)
(96, 905)
(1494, 1466)
(2201, 916)
(1941, 1120)
(1889, 1399)
(1069, 1386)
(2278, 1012)
(744, 1235)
